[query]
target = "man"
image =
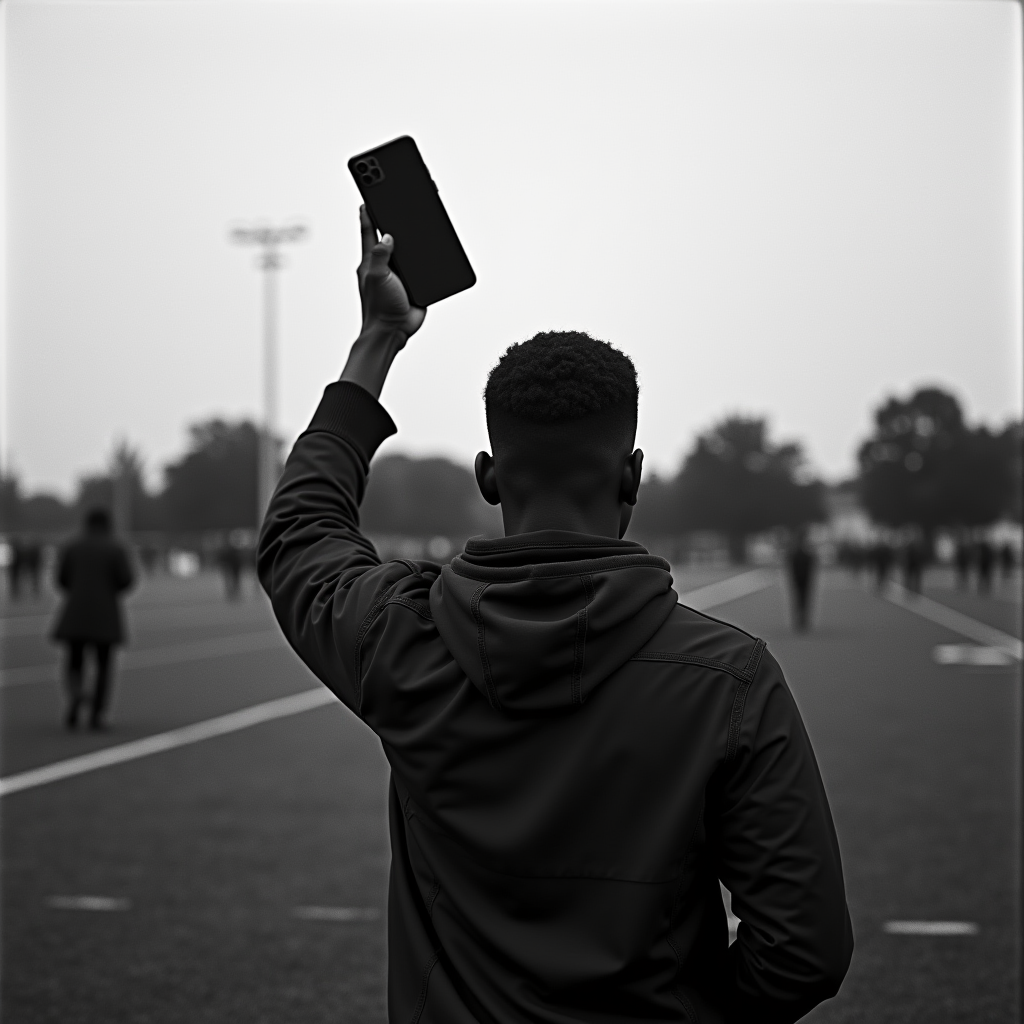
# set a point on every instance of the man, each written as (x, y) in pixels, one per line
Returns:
(576, 759)
(93, 571)
(802, 562)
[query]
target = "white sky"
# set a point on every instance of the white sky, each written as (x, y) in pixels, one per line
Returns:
(784, 208)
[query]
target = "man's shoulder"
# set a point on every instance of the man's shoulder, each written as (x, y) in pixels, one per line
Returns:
(694, 638)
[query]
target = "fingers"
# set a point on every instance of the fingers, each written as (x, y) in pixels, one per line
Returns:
(379, 256)
(369, 232)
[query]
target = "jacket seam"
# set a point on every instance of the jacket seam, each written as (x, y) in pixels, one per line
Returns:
(742, 674)
(580, 651)
(691, 1013)
(415, 606)
(555, 570)
(740, 702)
(430, 899)
(510, 545)
(481, 640)
(377, 607)
(422, 1001)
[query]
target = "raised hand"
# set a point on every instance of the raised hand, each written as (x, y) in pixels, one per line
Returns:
(389, 318)
(384, 299)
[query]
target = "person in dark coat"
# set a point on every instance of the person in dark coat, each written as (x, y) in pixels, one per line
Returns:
(15, 568)
(93, 571)
(230, 558)
(985, 558)
(964, 557)
(913, 566)
(801, 576)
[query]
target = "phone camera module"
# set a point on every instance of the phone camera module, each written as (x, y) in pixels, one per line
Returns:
(369, 171)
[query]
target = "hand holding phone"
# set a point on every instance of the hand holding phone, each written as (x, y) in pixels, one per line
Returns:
(403, 201)
(383, 296)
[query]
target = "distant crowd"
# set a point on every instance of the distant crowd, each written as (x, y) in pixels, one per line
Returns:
(977, 561)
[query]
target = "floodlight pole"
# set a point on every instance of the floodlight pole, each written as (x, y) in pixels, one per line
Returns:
(269, 261)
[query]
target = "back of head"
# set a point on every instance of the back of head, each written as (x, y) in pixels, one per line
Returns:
(562, 407)
(97, 521)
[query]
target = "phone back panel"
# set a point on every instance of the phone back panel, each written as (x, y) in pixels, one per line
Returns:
(403, 201)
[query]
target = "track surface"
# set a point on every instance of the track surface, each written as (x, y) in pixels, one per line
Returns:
(208, 850)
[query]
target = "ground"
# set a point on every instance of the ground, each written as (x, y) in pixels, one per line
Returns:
(206, 853)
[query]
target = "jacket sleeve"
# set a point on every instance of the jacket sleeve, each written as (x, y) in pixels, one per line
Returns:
(779, 857)
(324, 578)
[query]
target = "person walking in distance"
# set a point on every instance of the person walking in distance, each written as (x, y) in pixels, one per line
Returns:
(802, 562)
(93, 571)
(577, 759)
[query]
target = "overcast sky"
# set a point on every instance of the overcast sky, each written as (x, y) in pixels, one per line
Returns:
(790, 209)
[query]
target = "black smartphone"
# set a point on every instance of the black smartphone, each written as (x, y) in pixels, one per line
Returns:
(403, 201)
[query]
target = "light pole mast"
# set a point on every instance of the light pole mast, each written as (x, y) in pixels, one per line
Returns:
(269, 261)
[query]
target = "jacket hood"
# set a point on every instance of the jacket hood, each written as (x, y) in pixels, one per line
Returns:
(539, 620)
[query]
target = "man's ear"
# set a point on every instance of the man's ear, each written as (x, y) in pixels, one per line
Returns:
(632, 470)
(486, 479)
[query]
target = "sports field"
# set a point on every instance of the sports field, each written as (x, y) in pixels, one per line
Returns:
(209, 866)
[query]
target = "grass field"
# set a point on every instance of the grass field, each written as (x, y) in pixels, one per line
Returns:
(243, 877)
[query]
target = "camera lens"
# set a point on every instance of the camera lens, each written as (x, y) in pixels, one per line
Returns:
(361, 167)
(368, 179)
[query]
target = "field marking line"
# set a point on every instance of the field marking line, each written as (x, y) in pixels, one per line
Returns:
(101, 903)
(729, 589)
(943, 615)
(336, 913)
(154, 657)
(268, 711)
(930, 928)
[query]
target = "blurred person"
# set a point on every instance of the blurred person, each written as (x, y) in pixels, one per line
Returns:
(963, 559)
(32, 559)
(802, 562)
(1007, 560)
(15, 568)
(985, 557)
(882, 557)
(576, 758)
(93, 571)
(230, 558)
(913, 566)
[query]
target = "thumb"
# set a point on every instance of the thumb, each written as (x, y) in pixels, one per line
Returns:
(380, 254)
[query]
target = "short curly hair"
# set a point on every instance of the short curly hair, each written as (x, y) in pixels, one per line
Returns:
(557, 376)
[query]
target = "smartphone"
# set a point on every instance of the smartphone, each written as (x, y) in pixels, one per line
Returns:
(403, 201)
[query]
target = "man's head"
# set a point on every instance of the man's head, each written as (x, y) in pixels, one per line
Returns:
(561, 415)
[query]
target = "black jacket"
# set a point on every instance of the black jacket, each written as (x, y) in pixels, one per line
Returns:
(93, 571)
(577, 759)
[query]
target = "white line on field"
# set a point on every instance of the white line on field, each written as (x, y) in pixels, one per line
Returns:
(88, 903)
(154, 657)
(955, 621)
(727, 590)
(931, 928)
(208, 729)
(336, 913)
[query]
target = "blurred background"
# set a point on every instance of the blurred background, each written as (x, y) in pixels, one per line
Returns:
(803, 223)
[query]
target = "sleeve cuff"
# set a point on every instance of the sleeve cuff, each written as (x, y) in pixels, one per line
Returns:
(351, 412)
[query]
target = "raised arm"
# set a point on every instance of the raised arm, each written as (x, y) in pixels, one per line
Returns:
(323, 576)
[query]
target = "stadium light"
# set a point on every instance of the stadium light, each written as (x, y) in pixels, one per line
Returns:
(270, 260)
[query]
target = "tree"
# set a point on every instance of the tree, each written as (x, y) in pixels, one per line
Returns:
(738, 482)
(425, 498)
(213, 486)
(923, 466)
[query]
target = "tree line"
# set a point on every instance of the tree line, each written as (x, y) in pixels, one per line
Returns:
(922, 468)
